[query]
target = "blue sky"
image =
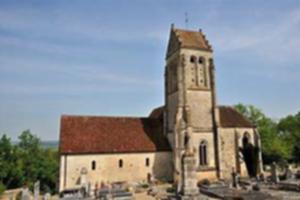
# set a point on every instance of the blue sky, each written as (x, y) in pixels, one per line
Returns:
(107, 57)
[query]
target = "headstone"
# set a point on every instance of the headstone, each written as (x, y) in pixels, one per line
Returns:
(47, 196)
(89, 189)
(25, 194)
(83, 182)
(83, 176)
(36, 190)
(235, 178)
(288, 173)
(274, 173)
(96, 189)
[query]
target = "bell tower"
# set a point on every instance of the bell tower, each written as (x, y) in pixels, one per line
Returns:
(190, 100)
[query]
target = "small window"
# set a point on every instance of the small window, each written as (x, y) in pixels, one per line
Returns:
(193, 59)
(200, 60)
(120, 163)
(203, 153)
(147, 162)
(93, 165)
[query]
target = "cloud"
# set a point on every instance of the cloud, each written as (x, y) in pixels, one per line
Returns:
(276, 40)
(66, 24)
(53, 78)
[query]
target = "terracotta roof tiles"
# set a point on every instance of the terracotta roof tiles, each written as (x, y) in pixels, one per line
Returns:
(193, 39)
(229, 117)
(92, 134)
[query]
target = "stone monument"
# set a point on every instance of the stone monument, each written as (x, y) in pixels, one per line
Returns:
(36, 190)
(288, 173)
(25, 194)
(189, 188)
(274, 173)
(47, 196)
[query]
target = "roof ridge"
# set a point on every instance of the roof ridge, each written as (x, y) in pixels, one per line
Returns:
(188, 30)
(105, 116)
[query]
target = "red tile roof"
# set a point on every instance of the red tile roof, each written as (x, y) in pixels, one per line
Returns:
(193, 39)
(229, 117)
(157, 113)
(91, 134)
(180, 38)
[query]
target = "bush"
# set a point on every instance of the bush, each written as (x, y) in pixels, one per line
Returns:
(2, 188)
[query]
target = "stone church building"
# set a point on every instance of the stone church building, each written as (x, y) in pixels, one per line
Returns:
(97, 149)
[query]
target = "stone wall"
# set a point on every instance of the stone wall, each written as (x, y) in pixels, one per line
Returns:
(201, 109)
(172, 109)
(208, 137)
(210, 175)
(230, 139)
(107, 167)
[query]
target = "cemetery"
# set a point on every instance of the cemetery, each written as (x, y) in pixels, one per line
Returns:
(275, 184)
(124, 108)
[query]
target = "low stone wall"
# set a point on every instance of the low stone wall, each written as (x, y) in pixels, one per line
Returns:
(10, 194)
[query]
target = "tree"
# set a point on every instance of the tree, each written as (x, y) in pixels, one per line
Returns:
(289, 129)
(11, 171)
(39, 164)
(27, 162)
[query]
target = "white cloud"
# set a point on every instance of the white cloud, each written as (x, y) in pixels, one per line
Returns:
(273, 40)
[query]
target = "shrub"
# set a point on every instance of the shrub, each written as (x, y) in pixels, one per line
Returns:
(2, 188)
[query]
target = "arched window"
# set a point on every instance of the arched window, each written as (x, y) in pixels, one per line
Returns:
(203, 153)
(193, 59)
(200, 60)
(93, 165)
(120, 163)
(147, 162)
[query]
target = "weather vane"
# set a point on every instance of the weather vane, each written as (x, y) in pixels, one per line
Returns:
(186, 20)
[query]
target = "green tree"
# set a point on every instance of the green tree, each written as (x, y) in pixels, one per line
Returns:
(38, 163)
(11, 172)
(30, 156)
(289, 129)
(27, 162)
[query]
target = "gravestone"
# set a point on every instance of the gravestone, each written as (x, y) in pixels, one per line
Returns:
(47, 196)
(235, 179)
(288, 173)
(36, 190)
(25, 194)
(274, 173)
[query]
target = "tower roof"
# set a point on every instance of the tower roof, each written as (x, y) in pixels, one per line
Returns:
(180, 38)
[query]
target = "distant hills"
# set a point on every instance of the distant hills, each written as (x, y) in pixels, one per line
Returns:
(50, 144)
(45, 144)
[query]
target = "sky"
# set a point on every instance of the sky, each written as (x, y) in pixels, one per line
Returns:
(107, 57)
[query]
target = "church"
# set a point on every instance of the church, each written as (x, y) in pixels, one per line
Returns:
(217, 139)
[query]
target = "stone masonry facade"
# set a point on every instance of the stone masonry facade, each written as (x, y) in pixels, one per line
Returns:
(189, 132)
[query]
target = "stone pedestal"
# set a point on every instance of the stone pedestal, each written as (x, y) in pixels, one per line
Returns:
(189, 186)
